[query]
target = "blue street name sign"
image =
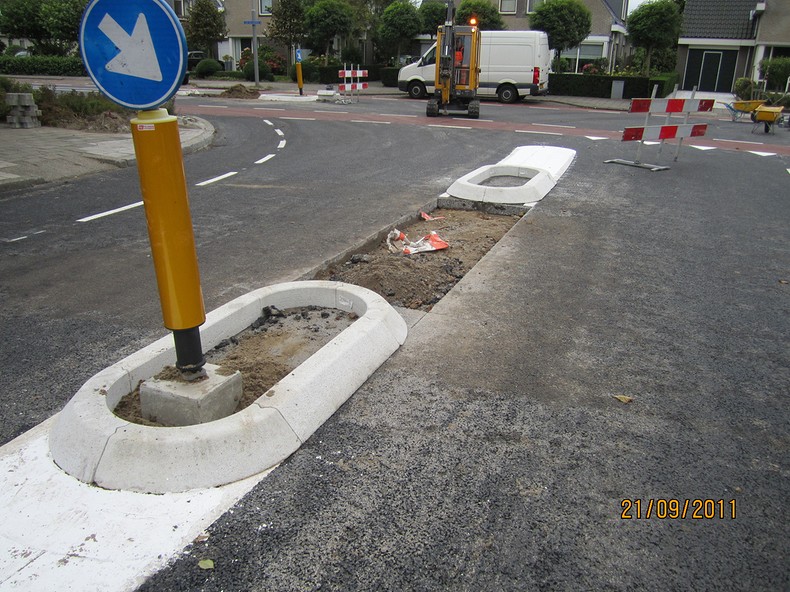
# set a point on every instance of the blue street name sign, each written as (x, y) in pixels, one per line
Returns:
(134, 51)
(252, 22)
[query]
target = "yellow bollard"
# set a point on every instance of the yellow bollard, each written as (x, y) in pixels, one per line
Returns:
(299, 80)
(157, 145)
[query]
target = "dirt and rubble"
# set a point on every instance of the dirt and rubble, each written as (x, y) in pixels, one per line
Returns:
(281, 340)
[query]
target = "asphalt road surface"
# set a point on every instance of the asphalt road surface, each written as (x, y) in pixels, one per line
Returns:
(489, 453)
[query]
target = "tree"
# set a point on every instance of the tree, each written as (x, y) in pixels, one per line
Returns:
(21, 19)
(433, 14)
(327, 19)
(566, 22)
(61, 18)
(488, 17)
(205, 26)
(654, 25)
(287, 26)
(399, 24)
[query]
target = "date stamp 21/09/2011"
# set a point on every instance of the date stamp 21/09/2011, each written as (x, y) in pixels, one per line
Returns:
(677, 509)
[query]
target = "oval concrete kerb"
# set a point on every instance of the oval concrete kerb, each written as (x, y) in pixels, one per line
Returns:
(89, 442)
(540, 167)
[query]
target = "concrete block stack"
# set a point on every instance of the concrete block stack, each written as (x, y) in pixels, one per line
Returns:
(24, 111)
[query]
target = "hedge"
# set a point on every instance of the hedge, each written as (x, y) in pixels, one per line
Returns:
(328, 74)
(389, 76)
(591, 85)
(42, 66)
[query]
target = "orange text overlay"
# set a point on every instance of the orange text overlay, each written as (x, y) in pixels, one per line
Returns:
(677, 509)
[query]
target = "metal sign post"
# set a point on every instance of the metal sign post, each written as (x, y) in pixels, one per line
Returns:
(136, 54)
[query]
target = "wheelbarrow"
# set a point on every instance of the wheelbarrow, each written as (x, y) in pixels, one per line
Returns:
(738, 109)
(767, 117)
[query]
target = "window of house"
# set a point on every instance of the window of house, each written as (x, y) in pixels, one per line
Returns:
(265, 7)
(533, 4)
(178, 6)
(507, 6)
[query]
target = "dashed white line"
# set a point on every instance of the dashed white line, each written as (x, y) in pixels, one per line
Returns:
(329, 111)
(19, 238)
(464, 127)
(596, 138)
(267, 122)
(480, 120)
(369, 121)
(395, 115)
(299, 118)
(110, 212)
(555, 125)
(269, 108)
(281, 145)
(537, 132)
(215, 179)
(214, 106)
(738, 141)
(264, 159)
(605, 111)
(279, 132)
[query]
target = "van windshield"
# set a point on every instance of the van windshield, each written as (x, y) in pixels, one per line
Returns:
(429, 57)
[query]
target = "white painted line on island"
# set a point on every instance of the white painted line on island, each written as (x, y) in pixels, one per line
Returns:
(264, 159)
(110, 212)
(215, 179)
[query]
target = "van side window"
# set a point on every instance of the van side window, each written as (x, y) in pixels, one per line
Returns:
(430, 57)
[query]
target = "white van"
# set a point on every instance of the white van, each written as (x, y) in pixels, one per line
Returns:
(513, 64)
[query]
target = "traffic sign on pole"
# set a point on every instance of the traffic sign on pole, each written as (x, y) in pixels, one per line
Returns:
(134, 51)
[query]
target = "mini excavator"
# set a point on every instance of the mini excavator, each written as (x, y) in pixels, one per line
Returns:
(457, 68)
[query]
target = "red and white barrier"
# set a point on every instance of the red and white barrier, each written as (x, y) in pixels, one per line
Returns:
(664, 132)
(352, 86)
(351, 83)
(670, 105)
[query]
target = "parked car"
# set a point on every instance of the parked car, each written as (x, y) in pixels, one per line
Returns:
(194, 58)
(23, 54)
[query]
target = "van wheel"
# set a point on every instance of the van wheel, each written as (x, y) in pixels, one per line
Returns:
(416, 90)
(507, 93)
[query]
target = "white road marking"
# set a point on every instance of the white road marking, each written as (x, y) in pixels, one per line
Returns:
(594, 138)
(395, 115)
(547, 108)
(267, 122)
(19, 238)
(467, 119)
(703, 147)
(281, 145)
(464, 127)
(605, 111)
(264, 159)
(762, 153)
(215, 179)
(555, 125)
(110, 212)
(299, 118)
(537, 132)
(214, 106)
(737, 141)
(269, 108)
(369, 121)
(279, 132)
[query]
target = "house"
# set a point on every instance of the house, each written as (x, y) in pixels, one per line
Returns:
(723, 40)
(606, 39)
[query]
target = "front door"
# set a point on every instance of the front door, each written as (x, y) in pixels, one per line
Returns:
(710, 71)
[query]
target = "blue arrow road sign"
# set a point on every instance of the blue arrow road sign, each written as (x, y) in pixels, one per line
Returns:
(298, 55)
(135, 51)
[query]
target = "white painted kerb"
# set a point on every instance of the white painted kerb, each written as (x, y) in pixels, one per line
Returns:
(540, 166)
(92, 444)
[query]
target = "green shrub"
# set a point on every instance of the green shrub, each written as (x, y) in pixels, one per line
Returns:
(42, 65)
(229, 75)
(776, 72)
(309, 72)
(207, 68)
(389, 76)
(264, 72)
(744, 88)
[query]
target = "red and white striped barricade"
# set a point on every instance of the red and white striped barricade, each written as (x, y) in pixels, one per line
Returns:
(351, 83)
(660, 133)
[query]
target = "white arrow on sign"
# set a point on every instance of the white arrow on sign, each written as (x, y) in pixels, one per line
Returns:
(137, 56)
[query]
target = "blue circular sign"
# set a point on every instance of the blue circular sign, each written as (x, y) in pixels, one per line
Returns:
(135, 51)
